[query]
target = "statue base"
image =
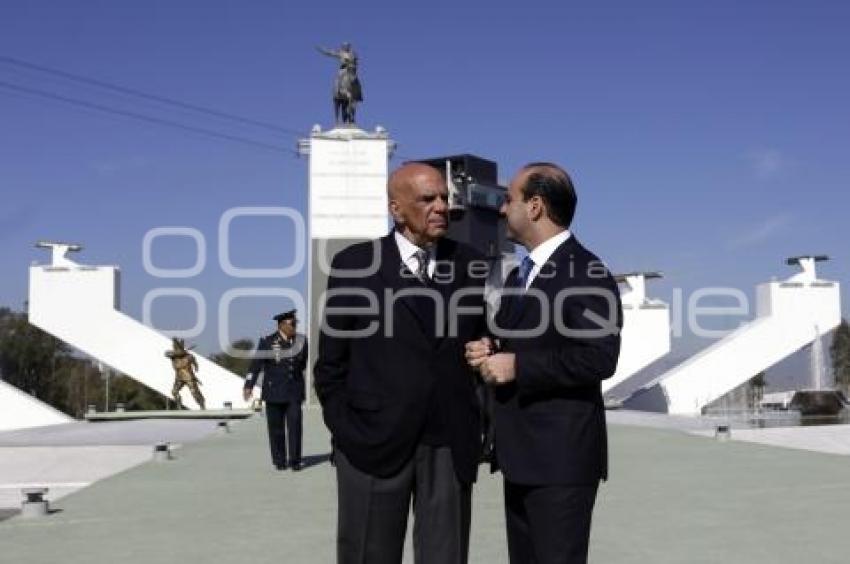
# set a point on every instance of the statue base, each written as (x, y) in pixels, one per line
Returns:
(347, 202)
(818, 402)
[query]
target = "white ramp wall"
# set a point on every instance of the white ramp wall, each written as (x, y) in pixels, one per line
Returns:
(789, 316)
(646, 331)
(78, 304)
(19, 410)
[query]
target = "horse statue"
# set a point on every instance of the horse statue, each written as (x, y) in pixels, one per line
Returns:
(347, 91)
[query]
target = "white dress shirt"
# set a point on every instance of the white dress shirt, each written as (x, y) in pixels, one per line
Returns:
(542, 252)
(408, 251)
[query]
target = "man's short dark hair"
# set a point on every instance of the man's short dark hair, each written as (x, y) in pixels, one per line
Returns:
(555, 188)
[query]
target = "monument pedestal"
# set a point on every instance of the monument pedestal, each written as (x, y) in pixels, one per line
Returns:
(347, 203)
(818, 402)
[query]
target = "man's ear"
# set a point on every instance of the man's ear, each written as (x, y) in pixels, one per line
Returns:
(535, 209)
(395, 211)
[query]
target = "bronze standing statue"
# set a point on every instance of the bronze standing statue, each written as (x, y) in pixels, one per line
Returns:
(185, 364)
(347, 91)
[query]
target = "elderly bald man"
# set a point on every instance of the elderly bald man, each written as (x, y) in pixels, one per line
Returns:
(396, 392)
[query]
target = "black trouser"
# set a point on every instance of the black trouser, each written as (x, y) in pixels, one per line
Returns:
(372, 512)
(284, 421)
(484, 394)
(548, 524)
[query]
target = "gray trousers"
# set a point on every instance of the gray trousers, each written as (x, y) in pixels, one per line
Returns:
(372, 512)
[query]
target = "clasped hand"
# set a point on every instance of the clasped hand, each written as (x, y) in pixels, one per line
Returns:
(495, 369)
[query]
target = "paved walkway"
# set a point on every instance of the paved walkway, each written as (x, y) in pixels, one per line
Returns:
(63, 470)
(68, 457)
(830, 439)
(673, 498)
(134, 432)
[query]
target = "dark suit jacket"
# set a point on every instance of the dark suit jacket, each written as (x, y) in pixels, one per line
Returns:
(376, 390)
(282, 366)
(550, 422)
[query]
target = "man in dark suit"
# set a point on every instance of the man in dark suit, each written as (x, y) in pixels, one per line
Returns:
(557, 336)
(396, 393)
(281, 357)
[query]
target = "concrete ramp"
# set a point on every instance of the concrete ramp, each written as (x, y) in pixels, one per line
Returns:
(79, 305)
(789, 315)
(646, 328)
(19, 410)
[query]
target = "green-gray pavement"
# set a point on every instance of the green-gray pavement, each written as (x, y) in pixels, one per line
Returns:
(170, 414)
(672, 498)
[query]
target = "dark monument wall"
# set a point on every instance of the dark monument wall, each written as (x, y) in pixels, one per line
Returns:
(318, 283)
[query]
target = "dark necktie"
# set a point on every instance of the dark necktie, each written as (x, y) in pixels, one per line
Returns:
(422, 270)
(524, 271)
(425, 305)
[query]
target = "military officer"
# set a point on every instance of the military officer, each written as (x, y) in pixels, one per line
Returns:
(281, 357)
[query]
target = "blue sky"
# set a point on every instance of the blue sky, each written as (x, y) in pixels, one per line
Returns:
(706, 140)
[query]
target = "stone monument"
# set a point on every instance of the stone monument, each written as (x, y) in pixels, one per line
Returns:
(347, 203)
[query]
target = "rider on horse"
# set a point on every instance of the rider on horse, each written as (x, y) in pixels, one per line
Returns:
(347, 91)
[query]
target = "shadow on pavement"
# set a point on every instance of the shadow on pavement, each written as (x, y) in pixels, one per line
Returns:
(315, 460)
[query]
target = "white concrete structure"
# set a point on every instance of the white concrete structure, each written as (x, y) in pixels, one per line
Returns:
(348, 182)
(348, 170)
(788, 316)
(19, 410)
(79, 305)
(777, 400)
(646, 328)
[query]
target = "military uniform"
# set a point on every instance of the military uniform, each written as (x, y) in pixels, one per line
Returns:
(185, 364)
(282, 362)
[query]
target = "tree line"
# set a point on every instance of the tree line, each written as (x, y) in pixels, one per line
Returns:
(839, 350)
(51, 371)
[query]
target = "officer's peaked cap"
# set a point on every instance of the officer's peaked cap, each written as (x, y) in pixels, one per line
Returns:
(284, 316)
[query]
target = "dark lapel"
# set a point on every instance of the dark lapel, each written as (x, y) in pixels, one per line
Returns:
(449, 271)
(448, 277)
(509, 305)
